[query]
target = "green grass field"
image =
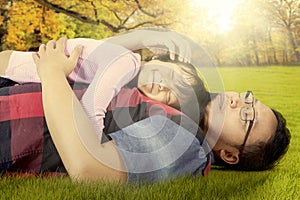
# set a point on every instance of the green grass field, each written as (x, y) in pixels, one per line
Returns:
(278, 87)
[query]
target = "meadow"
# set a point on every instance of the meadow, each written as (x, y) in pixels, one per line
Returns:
(278, 87)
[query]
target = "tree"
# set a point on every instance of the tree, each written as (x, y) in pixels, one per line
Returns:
(35, 21)
(3, 21)
(261, 31)
(31, 24)
(249, 34)
(286, 14)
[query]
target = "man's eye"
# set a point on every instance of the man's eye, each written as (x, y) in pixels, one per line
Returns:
(246, 117)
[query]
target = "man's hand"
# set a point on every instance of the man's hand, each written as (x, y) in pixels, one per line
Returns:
(51, 58)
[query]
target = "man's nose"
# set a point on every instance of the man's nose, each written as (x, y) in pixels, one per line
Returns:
(235, 101)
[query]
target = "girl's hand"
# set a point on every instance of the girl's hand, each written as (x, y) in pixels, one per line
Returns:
(51, 58)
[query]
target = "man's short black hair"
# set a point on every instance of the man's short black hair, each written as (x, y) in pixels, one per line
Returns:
(263, 156)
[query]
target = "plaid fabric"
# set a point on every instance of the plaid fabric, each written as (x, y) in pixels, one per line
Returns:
(130, 106)
(25, 143)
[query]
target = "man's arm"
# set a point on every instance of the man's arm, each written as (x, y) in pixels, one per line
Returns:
(66, 118)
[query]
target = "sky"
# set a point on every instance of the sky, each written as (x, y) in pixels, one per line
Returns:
(222, 10)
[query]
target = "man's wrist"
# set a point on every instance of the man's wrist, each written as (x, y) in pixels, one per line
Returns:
(51, 75)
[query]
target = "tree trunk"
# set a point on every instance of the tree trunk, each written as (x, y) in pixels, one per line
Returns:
(284, 57)
(293, 43)
(3, 28)
(257, 62)
(273, 51)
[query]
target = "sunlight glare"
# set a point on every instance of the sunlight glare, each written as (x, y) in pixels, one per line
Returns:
(220, 11)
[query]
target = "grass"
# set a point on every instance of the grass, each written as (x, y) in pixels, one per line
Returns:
(278, 87)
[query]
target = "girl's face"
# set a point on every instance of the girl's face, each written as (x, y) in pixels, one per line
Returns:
(157, 81)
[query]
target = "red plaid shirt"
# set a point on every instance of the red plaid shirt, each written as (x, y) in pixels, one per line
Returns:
(25, 141)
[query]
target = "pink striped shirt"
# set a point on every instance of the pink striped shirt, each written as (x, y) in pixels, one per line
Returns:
(105, 66)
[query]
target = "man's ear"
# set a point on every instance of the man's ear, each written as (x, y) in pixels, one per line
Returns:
(229, 156)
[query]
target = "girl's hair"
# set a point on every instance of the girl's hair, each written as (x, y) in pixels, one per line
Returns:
(191, 90)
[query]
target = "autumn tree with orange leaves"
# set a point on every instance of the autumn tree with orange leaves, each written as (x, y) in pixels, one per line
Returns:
(27, 23)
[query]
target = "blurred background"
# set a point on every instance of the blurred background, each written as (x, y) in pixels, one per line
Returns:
(234, 32)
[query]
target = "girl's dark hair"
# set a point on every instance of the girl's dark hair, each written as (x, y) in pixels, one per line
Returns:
(263, 156)
(191, 91)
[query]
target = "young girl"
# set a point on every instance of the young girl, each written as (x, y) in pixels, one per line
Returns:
(108, 67)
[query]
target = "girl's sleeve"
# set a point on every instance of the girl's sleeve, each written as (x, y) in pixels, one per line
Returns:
(22, 69)
(115, 67)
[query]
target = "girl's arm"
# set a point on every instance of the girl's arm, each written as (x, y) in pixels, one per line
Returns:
(66, 119)
(168, 41)
(116, 66)
(4, 59)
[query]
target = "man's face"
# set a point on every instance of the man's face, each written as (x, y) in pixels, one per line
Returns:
(228, 110)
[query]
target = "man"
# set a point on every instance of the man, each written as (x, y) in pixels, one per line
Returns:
(253, 136)
(86, 159)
